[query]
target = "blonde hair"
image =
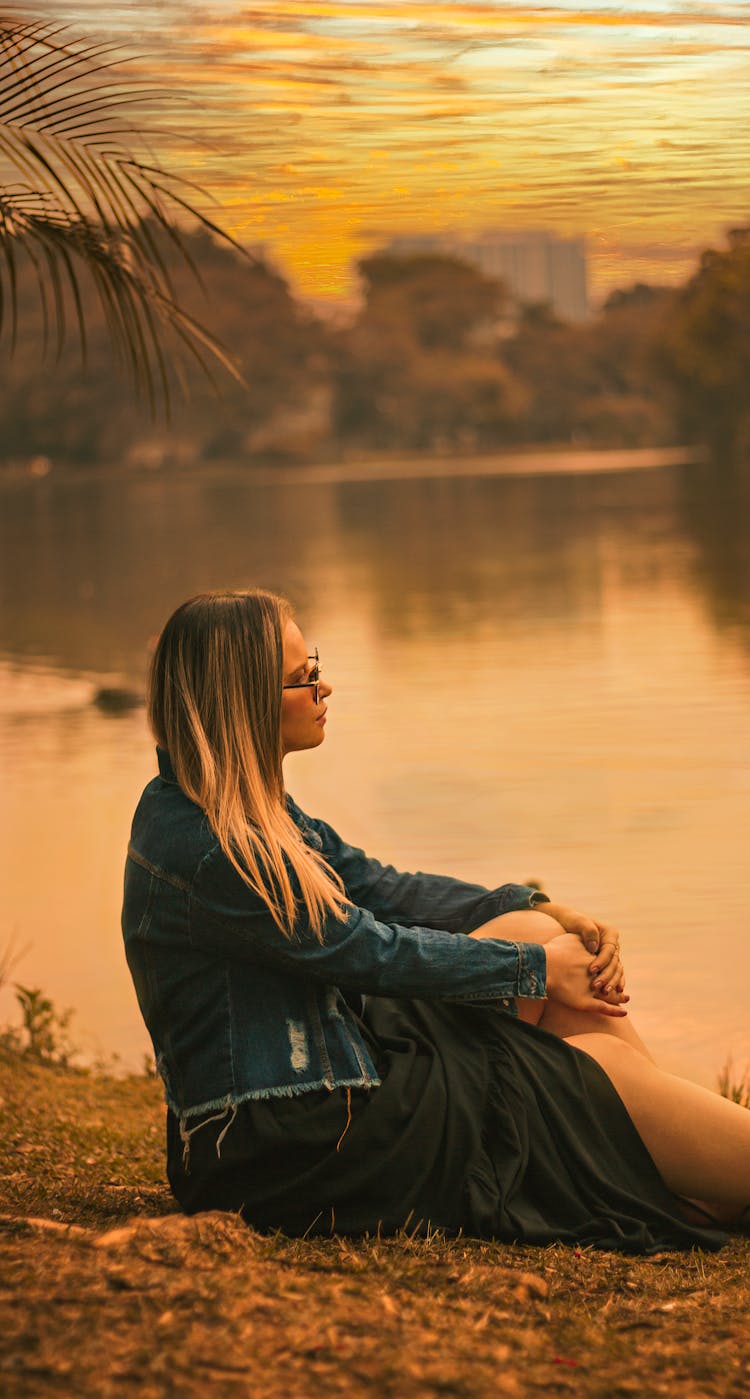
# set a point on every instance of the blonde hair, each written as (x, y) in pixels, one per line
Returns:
(214, 703)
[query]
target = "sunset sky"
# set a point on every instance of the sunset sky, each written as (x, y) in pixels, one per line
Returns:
(322, 128)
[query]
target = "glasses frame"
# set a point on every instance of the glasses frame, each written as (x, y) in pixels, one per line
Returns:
(313, 685)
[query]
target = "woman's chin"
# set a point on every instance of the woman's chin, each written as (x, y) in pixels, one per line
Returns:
(311, 738)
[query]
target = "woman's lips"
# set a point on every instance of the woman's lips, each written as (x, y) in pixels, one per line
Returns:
(321, 717)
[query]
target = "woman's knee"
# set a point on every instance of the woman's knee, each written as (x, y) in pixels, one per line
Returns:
(524, 925)
(619, 1059)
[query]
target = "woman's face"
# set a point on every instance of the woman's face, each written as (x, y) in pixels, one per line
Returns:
(302, 720)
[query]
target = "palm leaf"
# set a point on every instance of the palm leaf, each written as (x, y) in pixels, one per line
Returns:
(85, 201)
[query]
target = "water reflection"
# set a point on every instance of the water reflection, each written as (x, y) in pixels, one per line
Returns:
(88, 572)
(715, 510)
(457, 553)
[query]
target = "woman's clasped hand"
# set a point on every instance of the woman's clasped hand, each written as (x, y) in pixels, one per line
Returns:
(573, 977)
(571, 981)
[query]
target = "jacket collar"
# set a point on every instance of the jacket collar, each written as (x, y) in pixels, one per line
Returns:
(166, 771)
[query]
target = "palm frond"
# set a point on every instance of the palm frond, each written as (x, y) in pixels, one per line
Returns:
(85, 201)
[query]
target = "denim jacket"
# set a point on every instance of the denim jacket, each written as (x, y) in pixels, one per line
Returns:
(236, 1010)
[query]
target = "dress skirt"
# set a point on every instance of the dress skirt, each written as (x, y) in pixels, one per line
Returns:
(481, 1123)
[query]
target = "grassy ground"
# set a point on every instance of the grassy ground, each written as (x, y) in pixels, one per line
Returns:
(105, 1290)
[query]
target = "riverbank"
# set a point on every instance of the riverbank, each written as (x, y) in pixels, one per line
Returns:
(527, 460)
(105, 1284)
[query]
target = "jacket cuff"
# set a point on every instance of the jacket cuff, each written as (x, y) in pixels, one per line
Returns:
(532, 970)
(512, 898)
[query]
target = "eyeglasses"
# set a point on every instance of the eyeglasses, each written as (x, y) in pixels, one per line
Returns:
(313, 678)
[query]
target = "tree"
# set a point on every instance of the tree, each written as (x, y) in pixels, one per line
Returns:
(280, 347)
(550, 357)
(83, 207)
(705, 350)
(442, 299)
(594, 383)
(418, 369)
(87, 415)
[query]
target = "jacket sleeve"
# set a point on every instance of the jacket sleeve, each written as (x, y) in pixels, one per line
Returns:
(429, 900)
(360, 952)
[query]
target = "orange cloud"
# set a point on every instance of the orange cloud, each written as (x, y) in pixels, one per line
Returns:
(322, 121)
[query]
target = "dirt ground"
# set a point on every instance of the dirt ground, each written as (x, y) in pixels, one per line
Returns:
(105, 1289)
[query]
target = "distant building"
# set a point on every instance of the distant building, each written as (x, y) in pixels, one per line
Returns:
(533, 264)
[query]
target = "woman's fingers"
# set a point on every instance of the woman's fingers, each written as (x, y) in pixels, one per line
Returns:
(613, 979)
(609, 948)
(604, 967)
(608, 1008)
(617, 980)
(576, 923)
(568, 979)
(613, 996)
(609, 987)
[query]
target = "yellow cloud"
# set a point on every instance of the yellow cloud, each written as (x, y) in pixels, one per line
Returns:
(316, 120)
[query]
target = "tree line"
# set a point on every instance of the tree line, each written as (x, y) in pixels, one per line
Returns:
(437, 359)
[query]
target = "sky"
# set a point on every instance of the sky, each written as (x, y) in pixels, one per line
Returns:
(323, 127)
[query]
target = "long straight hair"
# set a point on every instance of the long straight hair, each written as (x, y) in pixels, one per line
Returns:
(214, 703)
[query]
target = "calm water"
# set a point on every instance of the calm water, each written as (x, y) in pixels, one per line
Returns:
(534, 678)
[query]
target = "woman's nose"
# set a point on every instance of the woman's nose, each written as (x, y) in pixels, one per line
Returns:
(325, 689)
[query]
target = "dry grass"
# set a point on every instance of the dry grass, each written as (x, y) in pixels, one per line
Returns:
(735, 1083)
(106, 1290)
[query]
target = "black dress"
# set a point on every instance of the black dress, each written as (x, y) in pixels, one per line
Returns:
(481, 1123)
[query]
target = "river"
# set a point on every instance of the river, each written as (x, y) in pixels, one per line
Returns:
(535, 676)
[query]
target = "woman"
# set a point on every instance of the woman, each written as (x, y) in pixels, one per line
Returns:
(347, 1047)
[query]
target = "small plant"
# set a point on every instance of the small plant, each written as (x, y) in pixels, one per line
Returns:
(44, 1033)
(736, 1088)
(9, 955)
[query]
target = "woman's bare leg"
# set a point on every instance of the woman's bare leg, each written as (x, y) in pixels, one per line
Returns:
(557, 1019)
(699, 1141)
(535, 926)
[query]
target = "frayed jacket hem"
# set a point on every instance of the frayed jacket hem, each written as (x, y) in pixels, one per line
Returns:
(284, 1090)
